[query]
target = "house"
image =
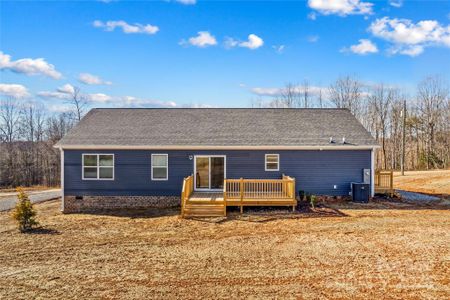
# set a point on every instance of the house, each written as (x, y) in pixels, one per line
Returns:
(122, 158)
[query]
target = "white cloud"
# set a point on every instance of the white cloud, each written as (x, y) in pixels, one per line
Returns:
(312, 16)
(278, 48)
(341, 7)
(253, 42)
(126, 28)
(66, 89)
(99, 97)
(203, 39)
(130, 101)
(273, 92)
(410, 38)
(313, 38)
(396, 3)
(14, 90)
(56, 95)
(187, 2)
(90, 79)
(28, 66)
(364, 47)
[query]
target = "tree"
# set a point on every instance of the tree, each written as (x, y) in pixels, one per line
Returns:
(24, 212)
(78, 101)
(347, 92)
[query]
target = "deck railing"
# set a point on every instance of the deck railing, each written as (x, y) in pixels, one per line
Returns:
(259, 189)
(384, 181)
(186, 191)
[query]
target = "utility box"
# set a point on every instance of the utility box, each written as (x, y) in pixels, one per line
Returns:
(366, 175)
(360, 192)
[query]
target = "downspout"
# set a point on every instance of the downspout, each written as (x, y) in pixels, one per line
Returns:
(62, 178)
(372, 172)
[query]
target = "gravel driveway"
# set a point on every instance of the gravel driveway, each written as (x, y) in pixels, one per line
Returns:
(8, 201)
(411, 196)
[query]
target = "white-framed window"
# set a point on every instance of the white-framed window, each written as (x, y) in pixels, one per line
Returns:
(160, 166)
(98, 166)
(272, 162)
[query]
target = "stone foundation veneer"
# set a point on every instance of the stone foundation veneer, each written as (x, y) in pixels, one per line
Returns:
(97, 203)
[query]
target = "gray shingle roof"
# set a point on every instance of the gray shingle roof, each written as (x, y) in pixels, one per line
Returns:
(217, 127)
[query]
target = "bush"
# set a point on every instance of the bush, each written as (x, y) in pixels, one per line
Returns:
(24, 212)
(312, 200)
(301, 195)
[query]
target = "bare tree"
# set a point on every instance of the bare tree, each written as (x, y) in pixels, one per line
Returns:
(347, 92)
(9, 120)
(78, 101)
(305, 93)
(432, 95)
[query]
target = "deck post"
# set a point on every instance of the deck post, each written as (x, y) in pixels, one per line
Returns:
(241, 188)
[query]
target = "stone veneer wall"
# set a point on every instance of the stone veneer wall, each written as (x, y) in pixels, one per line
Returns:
(97, 203)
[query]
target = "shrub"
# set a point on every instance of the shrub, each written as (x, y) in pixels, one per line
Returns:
(301, 194)
(312, 200)
(24, 212)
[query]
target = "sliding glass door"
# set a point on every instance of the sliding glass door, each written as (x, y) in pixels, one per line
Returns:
(209, 172)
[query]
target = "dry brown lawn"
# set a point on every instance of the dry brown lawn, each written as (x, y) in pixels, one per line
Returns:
(381, 250)
(436, 182)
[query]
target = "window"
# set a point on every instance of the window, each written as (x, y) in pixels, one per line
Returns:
(160, 166)
(98, 166)
(272, 162)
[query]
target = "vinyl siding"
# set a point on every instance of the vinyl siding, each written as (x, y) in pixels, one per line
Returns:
(315, 171)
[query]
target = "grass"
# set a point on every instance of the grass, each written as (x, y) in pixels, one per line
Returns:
(380, 250)
(33, 188)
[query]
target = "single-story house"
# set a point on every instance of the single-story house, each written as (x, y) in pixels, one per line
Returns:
(123, 158)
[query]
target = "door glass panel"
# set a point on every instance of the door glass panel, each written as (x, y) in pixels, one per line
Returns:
(217, 172)
(202, 176)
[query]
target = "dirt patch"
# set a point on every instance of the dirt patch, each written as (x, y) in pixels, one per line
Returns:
(349, 250)
(436, 182)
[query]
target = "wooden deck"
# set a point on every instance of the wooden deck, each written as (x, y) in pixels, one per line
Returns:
(237, 192)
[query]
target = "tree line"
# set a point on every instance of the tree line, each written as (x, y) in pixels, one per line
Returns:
(418, 119)
(28, 131)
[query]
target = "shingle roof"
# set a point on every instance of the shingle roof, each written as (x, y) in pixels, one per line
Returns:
(217, 127)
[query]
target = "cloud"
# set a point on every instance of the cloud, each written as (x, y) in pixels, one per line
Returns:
(90, 79)
(253, 42)
(202, 40)
(312, 16)
(410, 38)
(99, 97)
(313, 38)
(363, 48)
(130, 101)
(28, 66)
(14, 90)
(341, 7)
(278, 48)
(126, 28)
(274, 92)
(396, 3)
(187, 2)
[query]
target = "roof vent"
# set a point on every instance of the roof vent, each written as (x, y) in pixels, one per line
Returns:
(331, 140)
(343, 140)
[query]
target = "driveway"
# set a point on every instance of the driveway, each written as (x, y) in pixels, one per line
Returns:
(8, 200)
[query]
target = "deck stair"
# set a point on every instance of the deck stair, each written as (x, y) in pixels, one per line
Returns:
(204, 209)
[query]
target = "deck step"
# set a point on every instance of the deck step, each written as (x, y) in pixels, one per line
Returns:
(204, 210)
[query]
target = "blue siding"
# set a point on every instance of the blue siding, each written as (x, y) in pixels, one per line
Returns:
(315, 171)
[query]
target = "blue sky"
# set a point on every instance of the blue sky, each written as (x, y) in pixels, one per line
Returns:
(218, 53)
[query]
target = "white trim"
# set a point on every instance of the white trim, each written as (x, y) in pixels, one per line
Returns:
(167, 167)
(209, 166)
(62, 178)
(372, 173)
(278, 162)
(98, 166)
(269, 147)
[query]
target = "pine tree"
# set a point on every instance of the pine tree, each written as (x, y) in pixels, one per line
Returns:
(24, 212)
